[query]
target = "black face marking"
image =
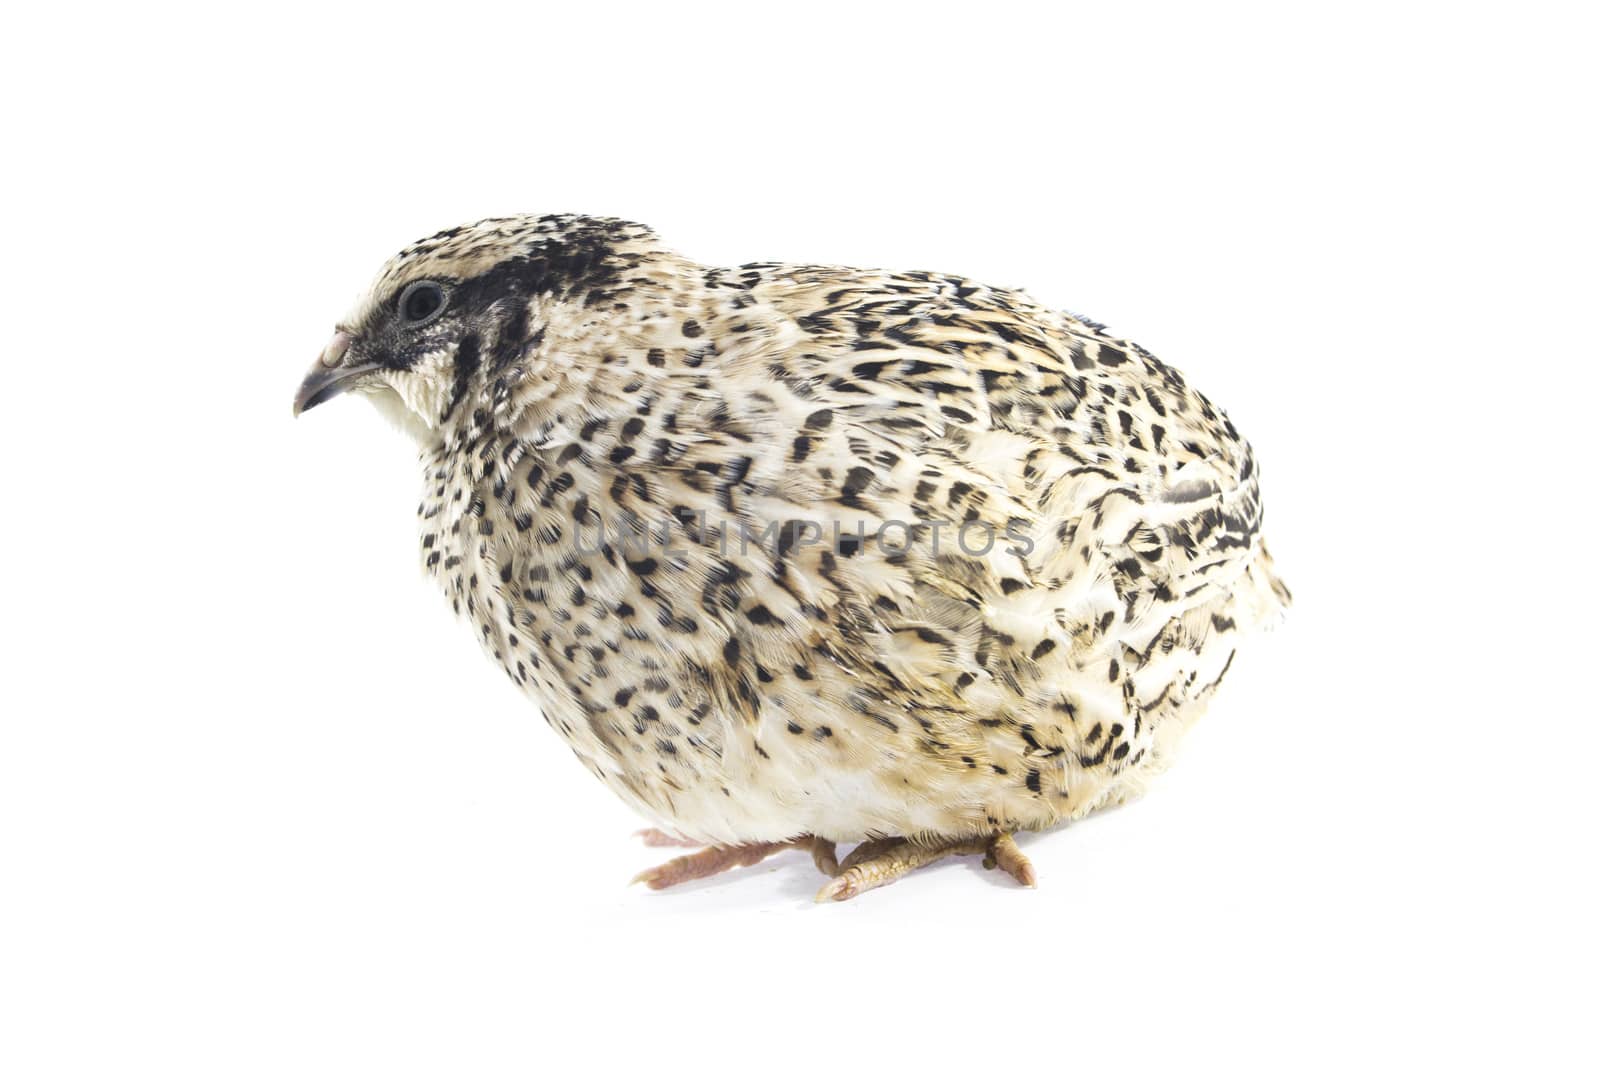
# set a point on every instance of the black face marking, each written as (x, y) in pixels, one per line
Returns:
(487, 315)
(466, 368)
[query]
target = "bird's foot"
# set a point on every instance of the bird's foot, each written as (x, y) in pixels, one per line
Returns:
(719, 858)
(881, 861)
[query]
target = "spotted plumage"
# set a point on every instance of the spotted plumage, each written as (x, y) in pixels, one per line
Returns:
(801, 553)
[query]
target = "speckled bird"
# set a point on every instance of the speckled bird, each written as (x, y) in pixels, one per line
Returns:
(798, 555)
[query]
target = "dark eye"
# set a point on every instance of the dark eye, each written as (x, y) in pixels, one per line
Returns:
(421, 302)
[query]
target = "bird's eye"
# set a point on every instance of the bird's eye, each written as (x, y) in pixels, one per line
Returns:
(421, 302)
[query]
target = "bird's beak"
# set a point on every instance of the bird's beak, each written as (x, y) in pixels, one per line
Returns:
(330, 375)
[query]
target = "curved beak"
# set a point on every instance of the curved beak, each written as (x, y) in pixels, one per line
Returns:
(330, 375)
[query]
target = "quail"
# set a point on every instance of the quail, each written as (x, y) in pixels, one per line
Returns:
(800, 555)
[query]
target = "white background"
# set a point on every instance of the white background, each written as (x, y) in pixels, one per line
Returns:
(261, 799)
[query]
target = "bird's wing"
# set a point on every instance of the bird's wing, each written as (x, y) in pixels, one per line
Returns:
(1121, 499)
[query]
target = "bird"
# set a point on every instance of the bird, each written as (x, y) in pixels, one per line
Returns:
(794, 556)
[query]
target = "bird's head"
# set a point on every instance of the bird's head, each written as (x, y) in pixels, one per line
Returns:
(459, 317)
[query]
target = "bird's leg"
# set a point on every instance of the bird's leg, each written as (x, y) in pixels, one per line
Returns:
(881, 861)
(1004, 853)
(822, 855)
(654, 838)
(719, 858)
